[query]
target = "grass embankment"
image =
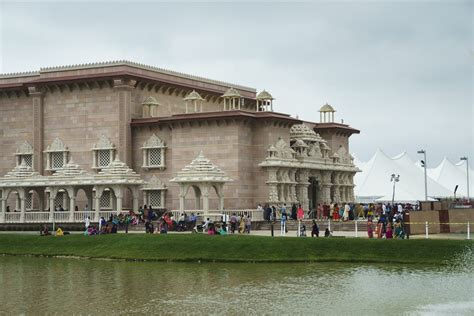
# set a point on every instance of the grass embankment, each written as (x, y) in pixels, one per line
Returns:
(193, 248)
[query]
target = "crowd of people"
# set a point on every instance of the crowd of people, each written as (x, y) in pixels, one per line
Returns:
(383, 220)
(333, 211)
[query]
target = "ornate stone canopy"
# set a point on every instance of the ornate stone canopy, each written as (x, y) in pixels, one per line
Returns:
(264, 95)
(150, 101)
(201, 169)
(103, 143)
(116, 176)
(193, 95)
(56, 145)
(154, 142)
(327, 108)
(202, 175)
(231, 93)
(24, 148)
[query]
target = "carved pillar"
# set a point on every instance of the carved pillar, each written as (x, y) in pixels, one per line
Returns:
(3, 210)
(182, 193)
(123, 88)
(272, 185)
(37, 126)
(135, 193)
(326, 187)
(98, 193)
(52, 196)
(72, 206)
(205, 197)
(303, 184)
(22, 206)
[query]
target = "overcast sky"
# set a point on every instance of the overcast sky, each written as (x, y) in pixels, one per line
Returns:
(402, 72)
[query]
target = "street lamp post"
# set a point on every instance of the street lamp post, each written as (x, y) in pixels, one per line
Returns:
(467, 172)
(394, 179)
(422, 151)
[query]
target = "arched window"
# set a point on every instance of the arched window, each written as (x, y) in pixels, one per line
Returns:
(154, 153)
(103, 153)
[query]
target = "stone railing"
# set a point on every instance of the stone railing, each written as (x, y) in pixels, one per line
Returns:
(12, 217)
(254, 214)
(58, 217)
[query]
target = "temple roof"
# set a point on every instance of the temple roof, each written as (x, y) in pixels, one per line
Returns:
(22, 171)
(327, 108)
(303, 132)
(231, 93)
(264, 95)
(117, 167)
(201, 169)
(150, 101)
(69, 169)
(193, 96)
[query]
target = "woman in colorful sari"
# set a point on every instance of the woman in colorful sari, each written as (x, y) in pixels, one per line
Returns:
(389, 233)
(370, 231)
(335, 214)
(242, 224)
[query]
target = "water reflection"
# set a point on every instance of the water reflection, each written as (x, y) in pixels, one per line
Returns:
(41, 285)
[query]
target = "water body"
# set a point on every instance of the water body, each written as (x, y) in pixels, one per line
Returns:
(73, 286)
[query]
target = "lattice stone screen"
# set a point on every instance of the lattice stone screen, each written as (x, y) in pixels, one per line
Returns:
(154, 157)
(29, 201)
(57, 160)
(154, 198)
(103, 158)
(58, 200)
(28, 159)
(105, 200)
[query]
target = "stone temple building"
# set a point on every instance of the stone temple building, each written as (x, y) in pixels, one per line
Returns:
(118, 135)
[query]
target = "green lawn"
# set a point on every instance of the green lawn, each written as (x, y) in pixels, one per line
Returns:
(194, 247)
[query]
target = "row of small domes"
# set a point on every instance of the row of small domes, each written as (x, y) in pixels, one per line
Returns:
(232, 93)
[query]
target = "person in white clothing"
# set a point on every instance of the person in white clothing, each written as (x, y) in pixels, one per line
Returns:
(400, 208)
(87, 222)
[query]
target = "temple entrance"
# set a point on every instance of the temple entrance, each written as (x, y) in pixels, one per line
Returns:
(313, 193)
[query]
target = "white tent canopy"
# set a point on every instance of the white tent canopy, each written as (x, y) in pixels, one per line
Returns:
(373, 183)
(449, 175)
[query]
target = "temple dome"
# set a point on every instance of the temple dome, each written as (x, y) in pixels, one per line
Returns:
(303, 132)
(327, 108)
(264, 95)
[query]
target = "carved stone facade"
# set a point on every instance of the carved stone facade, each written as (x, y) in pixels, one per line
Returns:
(142, 125)
(291, 165)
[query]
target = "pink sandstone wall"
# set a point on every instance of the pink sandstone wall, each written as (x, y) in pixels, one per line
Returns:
(79, 118)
